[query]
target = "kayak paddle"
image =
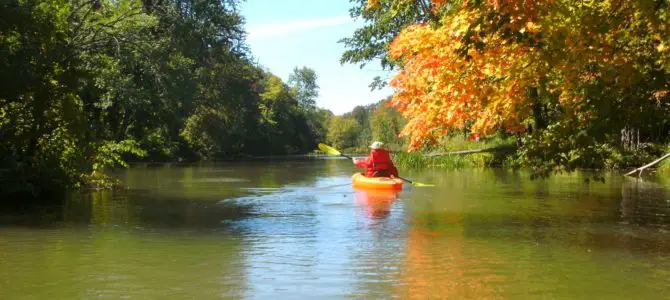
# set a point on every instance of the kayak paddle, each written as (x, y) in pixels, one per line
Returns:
(332, 151)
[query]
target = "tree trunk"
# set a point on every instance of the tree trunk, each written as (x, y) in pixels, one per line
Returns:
(538, 111)
(38, 123)
(630, 138)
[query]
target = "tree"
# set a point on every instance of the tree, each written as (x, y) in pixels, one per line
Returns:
(343, 132)
(280, 112)
(568, 76)
(303, 83)
(88, 85)
(318, 120)
(362, 115)
(384, 21)
(386, 124)
(52, 124)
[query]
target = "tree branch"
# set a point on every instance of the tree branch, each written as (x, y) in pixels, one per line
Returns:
(640, 169)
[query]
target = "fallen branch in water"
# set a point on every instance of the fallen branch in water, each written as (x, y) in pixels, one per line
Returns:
(464, 152)
(640, 169)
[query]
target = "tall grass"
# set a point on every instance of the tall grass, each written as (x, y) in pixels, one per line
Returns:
(664, 167)
(417, 160)
(459, 143)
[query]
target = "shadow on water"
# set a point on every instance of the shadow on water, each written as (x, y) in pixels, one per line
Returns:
(176, 196)
(141, 209)
(131, 209)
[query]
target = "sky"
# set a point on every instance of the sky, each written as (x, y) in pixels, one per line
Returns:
(296, 33)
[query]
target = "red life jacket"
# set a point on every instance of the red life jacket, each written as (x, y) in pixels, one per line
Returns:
(381, 164)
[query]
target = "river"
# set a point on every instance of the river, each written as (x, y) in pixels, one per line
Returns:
(296, 228)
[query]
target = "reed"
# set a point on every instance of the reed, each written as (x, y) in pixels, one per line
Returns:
(664, 167)
(416, 160)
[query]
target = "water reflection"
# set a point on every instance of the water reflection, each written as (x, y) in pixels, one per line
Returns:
(377, 203)
(645, 203)
(287, 229)
(141, 210)
(441, 264)
(219, 181)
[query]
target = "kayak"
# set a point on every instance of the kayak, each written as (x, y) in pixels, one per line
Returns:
(361, 181)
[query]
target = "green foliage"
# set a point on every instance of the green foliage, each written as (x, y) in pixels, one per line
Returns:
(287, 126)
(109, 154)
(343, 132)
(318, 121)
(664, 167)
(564, 147)
(372, 40)
(376, 122)
(304, 86)
(417, 160)
(89, 85)
(386, 124)
(59, 61)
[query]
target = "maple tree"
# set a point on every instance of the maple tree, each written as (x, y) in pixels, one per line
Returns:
(532, 66)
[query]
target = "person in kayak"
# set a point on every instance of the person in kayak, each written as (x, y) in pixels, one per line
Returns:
(378, 164)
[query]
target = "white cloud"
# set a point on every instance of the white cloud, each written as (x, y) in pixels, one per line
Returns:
(271, 30)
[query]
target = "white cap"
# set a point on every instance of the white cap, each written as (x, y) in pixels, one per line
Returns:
(376, 145)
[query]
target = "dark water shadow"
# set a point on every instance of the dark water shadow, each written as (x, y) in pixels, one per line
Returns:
(176, 195)
(637, 221)
(129, 209)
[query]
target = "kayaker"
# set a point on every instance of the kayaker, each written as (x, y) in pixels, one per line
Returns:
(378, 164)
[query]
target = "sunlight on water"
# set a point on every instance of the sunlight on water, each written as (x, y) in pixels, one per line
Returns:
(295, 229)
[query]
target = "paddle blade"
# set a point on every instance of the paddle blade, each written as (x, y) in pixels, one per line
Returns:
(328, 149)
(419, 184)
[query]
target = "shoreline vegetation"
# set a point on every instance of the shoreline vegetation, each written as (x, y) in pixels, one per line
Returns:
(88, 86)
(582, 90)
(499, 156)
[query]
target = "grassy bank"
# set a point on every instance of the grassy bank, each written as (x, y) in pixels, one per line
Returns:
(419, 159)
(506, 156)
(664, 167)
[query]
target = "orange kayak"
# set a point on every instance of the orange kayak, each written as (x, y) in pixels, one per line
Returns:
(361, 181)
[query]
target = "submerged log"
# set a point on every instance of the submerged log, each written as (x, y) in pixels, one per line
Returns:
(651, 164)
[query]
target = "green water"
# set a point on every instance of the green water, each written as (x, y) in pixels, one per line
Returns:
(297, 229)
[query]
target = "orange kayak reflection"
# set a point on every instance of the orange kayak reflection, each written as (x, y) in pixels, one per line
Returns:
(377, 202)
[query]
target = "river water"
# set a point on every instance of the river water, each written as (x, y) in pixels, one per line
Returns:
(297, 229)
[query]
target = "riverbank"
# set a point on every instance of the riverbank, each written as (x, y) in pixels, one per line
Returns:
(455, 154)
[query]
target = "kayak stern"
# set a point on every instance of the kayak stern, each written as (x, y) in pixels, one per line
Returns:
(361, 181)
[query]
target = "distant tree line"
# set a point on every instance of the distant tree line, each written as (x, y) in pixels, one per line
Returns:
(355, 130)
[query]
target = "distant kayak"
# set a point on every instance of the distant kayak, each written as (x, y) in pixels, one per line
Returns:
(361, 181)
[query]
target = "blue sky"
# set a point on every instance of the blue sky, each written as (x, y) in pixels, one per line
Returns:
(289, 33)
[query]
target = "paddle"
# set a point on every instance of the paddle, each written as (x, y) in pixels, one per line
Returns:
(332, 151)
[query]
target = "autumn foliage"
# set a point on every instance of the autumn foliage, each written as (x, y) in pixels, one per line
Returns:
(499, 64)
